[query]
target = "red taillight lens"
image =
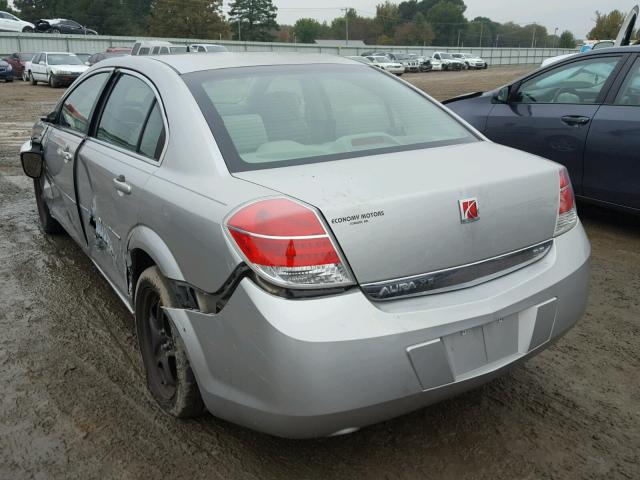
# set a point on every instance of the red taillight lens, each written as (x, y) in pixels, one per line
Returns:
(277, 217)
(567, 215)
(286, 242)
(285, 252)
(567, 201)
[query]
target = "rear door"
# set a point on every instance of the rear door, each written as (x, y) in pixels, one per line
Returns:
(611, 163)
(123, 151)
(61, 147)
(549, 114)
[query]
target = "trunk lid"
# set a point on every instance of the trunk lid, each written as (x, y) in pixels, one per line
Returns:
(397, 215)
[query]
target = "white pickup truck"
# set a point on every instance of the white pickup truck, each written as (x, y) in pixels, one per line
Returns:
(446, 61)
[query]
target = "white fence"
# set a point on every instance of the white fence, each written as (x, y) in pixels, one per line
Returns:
(35, 42)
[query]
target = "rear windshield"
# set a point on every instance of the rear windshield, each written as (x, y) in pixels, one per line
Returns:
(273, 116)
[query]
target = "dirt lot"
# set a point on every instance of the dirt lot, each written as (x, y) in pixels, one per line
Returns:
(73, 402)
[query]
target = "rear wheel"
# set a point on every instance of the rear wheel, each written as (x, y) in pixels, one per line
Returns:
(48, 224)
(55, 31)
(27, 30)
(32, 80)
(169, 376)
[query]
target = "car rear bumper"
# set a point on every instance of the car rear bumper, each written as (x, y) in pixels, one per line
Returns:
(317, 367)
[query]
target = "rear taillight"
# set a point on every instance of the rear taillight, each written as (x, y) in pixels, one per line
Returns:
(567, 215)
(287, 243)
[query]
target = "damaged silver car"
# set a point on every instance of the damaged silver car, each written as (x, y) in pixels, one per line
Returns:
(308, 245)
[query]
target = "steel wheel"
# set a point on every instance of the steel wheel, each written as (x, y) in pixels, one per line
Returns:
(162, 369)
(170, 378)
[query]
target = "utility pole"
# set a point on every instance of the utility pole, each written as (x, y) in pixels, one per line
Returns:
(497, 39)
(481, 31)
(239, 32)
(346, 25)
(533, 40)
(459, 31)
(555, 38)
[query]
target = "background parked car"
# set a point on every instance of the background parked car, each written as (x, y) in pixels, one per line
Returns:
(98, 57)
(445, 61)
(385, 63)
(151, 47)
(6, 72)
(470, 60)
(11, 23)
(365, 60)
(83, 57)
(55, 68)
(17, 61)
(207, 48)
(62, 25)
(410, 62)
(582, 112)
(124, 50)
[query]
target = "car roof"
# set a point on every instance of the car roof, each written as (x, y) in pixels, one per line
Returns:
(189, 62)
(627, 49)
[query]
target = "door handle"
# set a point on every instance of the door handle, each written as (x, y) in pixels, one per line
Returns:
(67, 156)
(121, 185)
(575, 120)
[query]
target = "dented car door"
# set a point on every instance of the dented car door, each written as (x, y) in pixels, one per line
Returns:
(114, 165)
(62, 142)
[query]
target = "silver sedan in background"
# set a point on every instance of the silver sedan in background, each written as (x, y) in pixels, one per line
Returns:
(308, 245)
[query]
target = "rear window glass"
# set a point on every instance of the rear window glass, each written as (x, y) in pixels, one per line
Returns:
(272, 116)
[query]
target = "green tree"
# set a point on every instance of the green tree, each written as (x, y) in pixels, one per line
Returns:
(253, 20)
(4, 6)
(192, 19)
(447, 19)
(607, 25)
(414, 34)
(360, 28)
(32, 10)
(387, 17)
(307, 30)
(567, 40)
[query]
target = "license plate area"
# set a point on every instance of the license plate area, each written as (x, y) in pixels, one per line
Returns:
(476, 347)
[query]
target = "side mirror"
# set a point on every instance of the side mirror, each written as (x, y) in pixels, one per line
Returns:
(87, 64)
(41, 62)
(502, 95)
(50, 118)
(31, 159)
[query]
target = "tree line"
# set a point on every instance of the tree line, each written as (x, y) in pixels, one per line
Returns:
(411, 22)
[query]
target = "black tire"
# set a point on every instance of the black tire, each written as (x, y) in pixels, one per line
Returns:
(169, 376)
(48, 224)
(32, 80)
(27, 30)
(53, 83)
(9, 79)
(55, 31)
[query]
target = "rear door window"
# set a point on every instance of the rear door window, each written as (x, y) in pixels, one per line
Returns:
(76, 110)
(152, 140)
(630, 92)
(131, 118)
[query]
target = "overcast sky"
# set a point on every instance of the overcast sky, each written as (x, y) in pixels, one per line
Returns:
(574, 15)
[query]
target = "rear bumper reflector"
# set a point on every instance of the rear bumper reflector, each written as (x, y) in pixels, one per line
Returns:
(456, 278)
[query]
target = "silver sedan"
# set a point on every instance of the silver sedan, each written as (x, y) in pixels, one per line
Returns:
(308, 245)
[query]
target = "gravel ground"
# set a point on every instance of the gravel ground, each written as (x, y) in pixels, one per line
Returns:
(73, 401)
